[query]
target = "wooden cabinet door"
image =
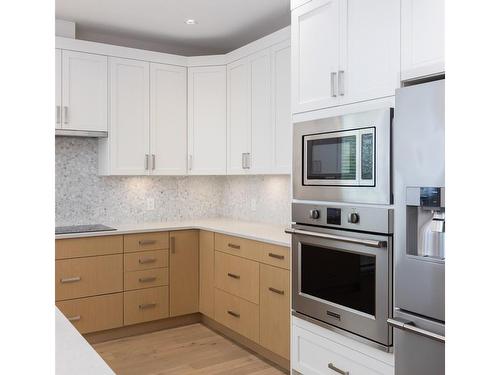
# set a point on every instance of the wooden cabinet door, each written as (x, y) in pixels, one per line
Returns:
(84, 91)
(315, 55)
(238, 116)
(183, 272)
(129, 117)
(422, 38)
(370, 58)
(207, 120)
(206, 284)
(275, 310)
(57, 61)
(168, 137)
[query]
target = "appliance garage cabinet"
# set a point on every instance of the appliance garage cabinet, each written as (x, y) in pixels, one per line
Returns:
(113, 284)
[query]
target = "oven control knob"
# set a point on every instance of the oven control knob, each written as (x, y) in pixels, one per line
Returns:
(353, 218)
(314, 214)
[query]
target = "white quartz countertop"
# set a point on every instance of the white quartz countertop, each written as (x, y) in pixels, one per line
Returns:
(74, 355)
(270, 233)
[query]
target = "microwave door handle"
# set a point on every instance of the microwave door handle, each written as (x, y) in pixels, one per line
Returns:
(359, 241)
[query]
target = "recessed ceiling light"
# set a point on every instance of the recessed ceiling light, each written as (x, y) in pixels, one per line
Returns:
(190, 22)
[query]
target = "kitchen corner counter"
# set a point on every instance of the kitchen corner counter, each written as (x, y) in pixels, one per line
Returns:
(269, 233)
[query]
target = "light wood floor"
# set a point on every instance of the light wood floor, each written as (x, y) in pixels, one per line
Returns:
(193, 349)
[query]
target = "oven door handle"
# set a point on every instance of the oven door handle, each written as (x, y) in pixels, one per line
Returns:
(359, 241)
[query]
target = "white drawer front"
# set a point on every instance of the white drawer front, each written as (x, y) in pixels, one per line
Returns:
(313, 354)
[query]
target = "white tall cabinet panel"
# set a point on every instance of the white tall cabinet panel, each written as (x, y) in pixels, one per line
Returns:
(207, 120)
(168, 122)
(129, 117)
(422, 38)
(84, 91)
(238, 115)
(57, 61)
(315, 55)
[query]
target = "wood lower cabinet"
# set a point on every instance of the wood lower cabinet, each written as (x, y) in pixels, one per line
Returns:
(145, 241)
(145, 260)
(145, 278)
(93, 314)
(145, 304)
(88, 246)
(207, 264)
(275, 309)
(183, 272)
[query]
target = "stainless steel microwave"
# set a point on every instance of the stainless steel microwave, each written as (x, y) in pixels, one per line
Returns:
(344, 159)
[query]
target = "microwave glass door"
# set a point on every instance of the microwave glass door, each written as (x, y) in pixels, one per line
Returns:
(339, 277)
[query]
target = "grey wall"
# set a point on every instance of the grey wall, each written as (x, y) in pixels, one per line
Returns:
(83, 197)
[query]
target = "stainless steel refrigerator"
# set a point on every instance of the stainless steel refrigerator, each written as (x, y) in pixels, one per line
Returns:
(419, 229)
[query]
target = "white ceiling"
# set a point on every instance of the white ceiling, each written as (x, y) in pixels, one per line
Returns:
(223, 25)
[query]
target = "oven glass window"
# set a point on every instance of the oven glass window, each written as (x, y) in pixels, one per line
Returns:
(337, 276)
(332, 158)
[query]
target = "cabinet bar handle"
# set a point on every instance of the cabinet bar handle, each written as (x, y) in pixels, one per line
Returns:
(147, 279)
(153, 162)
(146, 242)
(74, 318)
(58, 114)
(172, 245)
(146, 162)
(236, 315)
(333, 91)
(243, 162)
(70, 280)
(277, 291)
(147, 260)
(147, 305)
(337, 370)
(65, 114)
(233, 275)
(233, 246)
(277, 256)
(341, 82)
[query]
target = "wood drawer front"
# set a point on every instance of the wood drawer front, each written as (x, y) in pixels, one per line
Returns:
(88, 246)
(275, 255)
(237, 276)
(93, 314)
(237, 314)
(83, 277)
(146, 260)
(275, 310)
(145, 305)
(145, 278)
(145, 241)
(237, 246)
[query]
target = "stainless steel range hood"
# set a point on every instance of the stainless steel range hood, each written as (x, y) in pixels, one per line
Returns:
(81, 133)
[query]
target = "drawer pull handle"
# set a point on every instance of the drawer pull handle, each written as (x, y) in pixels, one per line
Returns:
(147, 305)
(146, 242)
(147, 260)
(236, 315)
(277, 291)
(71, 280)
(147, 279)
(337, 370)
(233, 246)
(233, 275)
(277, 256)
(74, 318)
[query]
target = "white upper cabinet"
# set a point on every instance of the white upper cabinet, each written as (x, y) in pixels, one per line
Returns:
(315, 55)
(168, 120)
(344, 51)
(422, 38)
(297, 3)
(84, 98)
(58, 89)
(207, 120)
(129, 117)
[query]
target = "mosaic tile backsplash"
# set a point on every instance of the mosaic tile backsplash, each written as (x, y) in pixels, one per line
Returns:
(83, 197)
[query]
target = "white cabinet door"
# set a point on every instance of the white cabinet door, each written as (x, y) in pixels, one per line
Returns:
(282, 119)
(168, 125)
(84, 91)
(370, 61)
(58, 109)
(315, 55)
(207, 120)
(261, 158)
(129, 117)
(238, 115)
(422, 38)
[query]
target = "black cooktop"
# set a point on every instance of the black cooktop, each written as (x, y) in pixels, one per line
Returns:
(83, 228)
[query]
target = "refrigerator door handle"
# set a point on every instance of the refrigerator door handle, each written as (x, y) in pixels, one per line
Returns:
(407, 325)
